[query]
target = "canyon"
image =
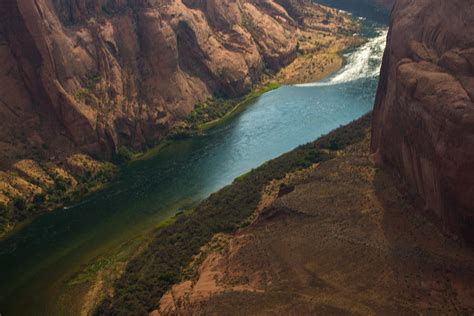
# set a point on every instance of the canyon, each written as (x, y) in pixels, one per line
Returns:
(338, 238)
(374, 217)
(90, 77)
(387, 235)
(85, 82)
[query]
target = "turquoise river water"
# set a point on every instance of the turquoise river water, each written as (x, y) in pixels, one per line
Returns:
(38, 260)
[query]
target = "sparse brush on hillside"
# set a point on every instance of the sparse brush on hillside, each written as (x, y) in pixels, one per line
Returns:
(21, 207)
(149, 275)
(217, 109)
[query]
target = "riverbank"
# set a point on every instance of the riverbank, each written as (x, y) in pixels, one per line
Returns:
(78, 250)
(150, 274)
(39, 188)
(340, 237)
(43, 184)
(30, 189)
(312, 64)
(320, 54)
(203, 118)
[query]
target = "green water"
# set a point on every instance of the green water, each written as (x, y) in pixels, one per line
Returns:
(38, 262)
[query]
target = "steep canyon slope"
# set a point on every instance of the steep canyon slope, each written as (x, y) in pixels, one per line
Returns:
(424, 113)
(341, 238)
(337, 238)
(95, 75)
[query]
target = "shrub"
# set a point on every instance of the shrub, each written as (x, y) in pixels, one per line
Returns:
(19, 203)
(4, 214)
(39, 198)
(334, 145)
(150, 274)
(61, 184)
(123, 155)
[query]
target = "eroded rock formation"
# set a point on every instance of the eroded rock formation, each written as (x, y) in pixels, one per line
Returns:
(423, 124)
(95, 75)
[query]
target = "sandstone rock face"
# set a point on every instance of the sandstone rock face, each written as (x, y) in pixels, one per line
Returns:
(93, 75)
(423, 124)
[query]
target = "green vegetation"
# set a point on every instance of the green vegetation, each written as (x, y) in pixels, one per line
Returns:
(217, 110)
(21, 209)
(247, 22)
(4, 217)
(39, 199)
(84, 95)
(19, 203)
(152, 152)
(213, 112)
(150, 274)
(92, 80)
(90, 272)
(123, 155)
(81, 93)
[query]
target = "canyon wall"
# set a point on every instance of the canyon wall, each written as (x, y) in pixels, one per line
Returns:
(423, 125)
(91, 76)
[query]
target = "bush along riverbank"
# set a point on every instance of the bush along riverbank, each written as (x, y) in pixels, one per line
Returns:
(33, 187)
(319, 55)
(218, 110)
(215, 111)
(151, 273)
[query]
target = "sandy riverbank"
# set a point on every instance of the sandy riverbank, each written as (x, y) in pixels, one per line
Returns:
(320, 55)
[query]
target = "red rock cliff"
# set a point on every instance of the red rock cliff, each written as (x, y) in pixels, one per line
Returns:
(92, 75)
(423, 123)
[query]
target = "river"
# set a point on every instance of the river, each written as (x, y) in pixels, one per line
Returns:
(38, 261)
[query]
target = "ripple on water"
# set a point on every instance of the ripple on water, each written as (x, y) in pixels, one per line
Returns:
(56, 245)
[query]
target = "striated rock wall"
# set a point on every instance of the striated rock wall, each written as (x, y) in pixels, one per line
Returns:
(423, 123)
(94, 75)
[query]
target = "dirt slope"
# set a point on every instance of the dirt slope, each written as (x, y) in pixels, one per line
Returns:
(344, 241)
(423, 124)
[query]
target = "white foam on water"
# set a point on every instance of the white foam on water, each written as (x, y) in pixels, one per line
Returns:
(364, 62)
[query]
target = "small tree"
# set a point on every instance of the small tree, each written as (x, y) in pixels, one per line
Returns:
(123, 155)
(39, 198)
(4, 210)
(334, 144)
(19, 203)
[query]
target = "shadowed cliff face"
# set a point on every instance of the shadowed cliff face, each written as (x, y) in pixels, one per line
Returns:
(424, 114)
(95, 75)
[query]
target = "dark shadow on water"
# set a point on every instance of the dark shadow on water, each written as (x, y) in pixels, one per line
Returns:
(362, 8)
